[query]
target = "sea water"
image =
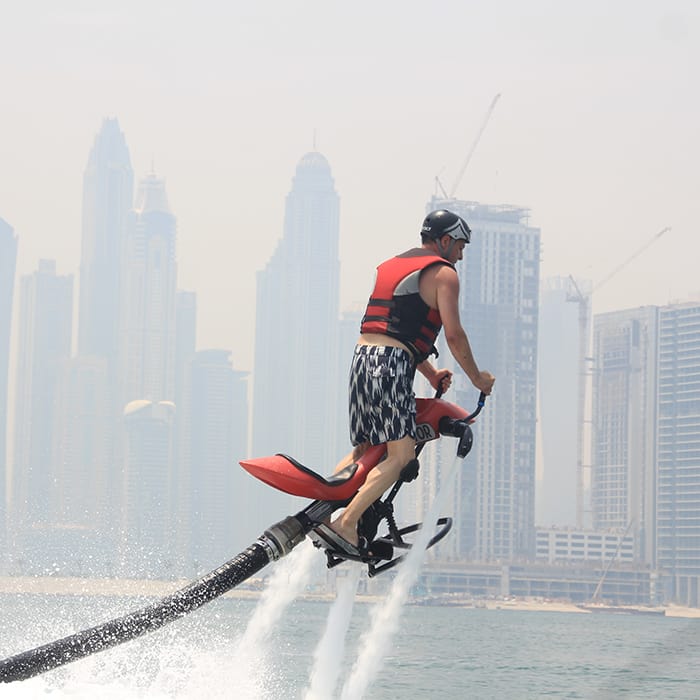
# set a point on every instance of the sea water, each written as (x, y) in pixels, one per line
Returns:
(436, 652)
(385, 618)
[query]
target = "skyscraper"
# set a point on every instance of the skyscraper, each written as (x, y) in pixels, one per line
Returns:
(218, 486)
(107, 199)
(678, 451)
(297, 327)
(8, 260)
(147, 515)
(495, 495)
(185, 344)
(149, 297)
(95, 429)
(558, 375)
(624, 424)
(82, 498)
(147, 380)
(45, 322)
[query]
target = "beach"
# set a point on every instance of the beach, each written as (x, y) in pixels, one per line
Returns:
(57, 585)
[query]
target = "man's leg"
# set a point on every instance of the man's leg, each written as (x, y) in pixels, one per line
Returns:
(352, 457)
(399, 454)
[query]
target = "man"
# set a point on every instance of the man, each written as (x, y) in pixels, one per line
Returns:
(415, 294)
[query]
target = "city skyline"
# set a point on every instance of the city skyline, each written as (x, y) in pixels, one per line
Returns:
(150, 198)
(596, 118)
(157, 495)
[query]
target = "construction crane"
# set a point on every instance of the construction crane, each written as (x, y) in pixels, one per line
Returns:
(459, 177)
(453, 191)
(584, 299)
(439, 186)
(652, 240)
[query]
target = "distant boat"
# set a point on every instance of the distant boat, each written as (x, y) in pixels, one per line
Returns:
(447, 600)
(621, 609)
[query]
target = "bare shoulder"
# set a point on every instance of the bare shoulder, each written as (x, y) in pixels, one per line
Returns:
(438, 280)
(440, 273)
(445, 276)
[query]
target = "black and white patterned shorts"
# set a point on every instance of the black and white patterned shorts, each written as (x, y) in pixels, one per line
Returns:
(382, 402)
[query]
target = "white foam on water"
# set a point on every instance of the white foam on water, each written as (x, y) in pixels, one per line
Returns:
(248, 668)
(248, 657)
(329, 654)
(374, 644)
(193, 665)
(135, 671)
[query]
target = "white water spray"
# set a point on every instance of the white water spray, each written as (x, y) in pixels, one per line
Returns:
(329, 654)
(385, 617)
(288, 581)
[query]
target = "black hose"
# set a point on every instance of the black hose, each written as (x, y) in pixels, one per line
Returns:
(109, 634)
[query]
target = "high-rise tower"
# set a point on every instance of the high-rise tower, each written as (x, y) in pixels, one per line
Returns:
(185, 344)
(219, 434)
(147, 383)
(678, 450)
(297, 324)
(499, 287)
(558, 358)
(149, 298)
(147, 515)
(107, 199)
(624, 424)
(83, 489)
(44, 344)
(8, 260)
(90, 392)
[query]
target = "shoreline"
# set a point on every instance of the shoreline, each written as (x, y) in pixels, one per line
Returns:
(57, 585)
(669, 610)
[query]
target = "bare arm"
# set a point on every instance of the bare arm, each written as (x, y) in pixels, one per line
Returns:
(437, 377)
(447, 288)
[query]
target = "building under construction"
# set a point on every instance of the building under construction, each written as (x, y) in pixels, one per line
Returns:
(499, 295)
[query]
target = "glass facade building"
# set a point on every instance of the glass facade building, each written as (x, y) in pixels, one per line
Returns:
(44, 345)
(678, 451)
(624, 425)
(297, 321)
(8, 261)
(499, 304)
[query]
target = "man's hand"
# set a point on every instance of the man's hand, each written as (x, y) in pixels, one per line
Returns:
(442, 379)
(438, 378)
(484, 382)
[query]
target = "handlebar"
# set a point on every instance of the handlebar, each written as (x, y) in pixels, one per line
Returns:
(479, 405)
(452, 426)
(460, 427)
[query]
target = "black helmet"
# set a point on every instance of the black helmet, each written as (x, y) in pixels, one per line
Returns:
(442, 222)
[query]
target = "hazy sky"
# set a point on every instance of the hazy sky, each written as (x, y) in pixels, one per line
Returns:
(597, 130)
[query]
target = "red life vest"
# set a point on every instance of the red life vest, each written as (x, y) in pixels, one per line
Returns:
(396, 308)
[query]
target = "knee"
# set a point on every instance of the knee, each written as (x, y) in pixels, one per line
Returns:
(403, 452)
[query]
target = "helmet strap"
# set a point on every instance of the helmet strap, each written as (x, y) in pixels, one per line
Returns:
(445, 251)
